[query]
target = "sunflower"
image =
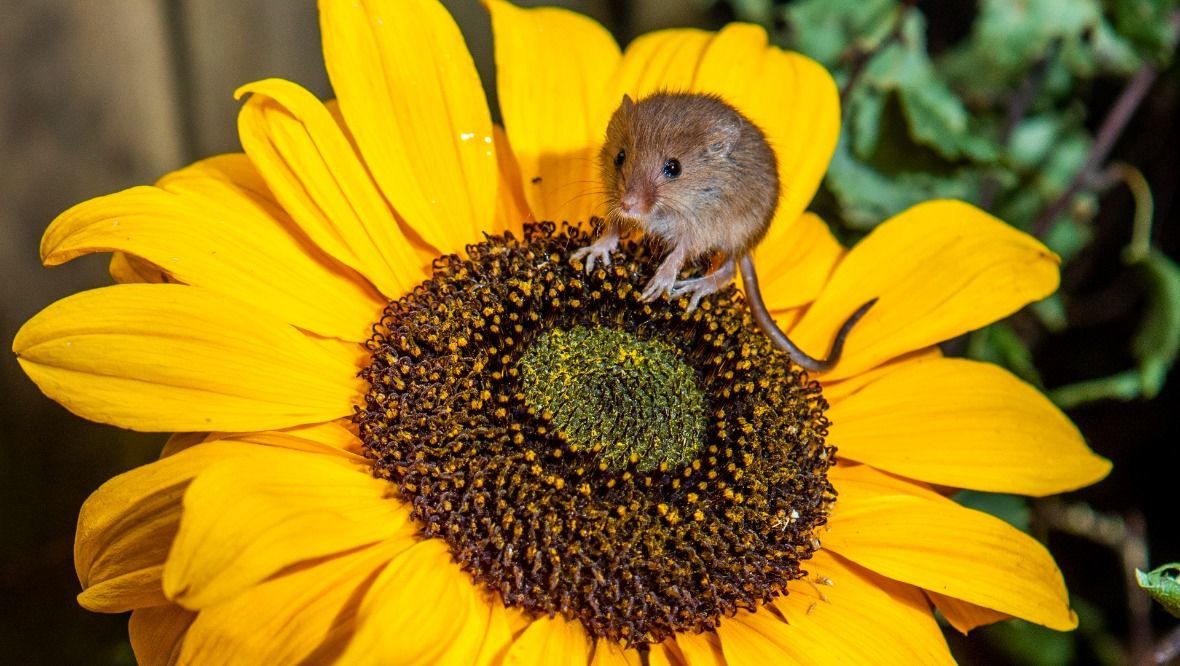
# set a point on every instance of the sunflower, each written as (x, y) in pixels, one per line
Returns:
(411, 430)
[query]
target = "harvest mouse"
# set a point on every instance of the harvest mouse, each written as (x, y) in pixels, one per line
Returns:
(691, 170)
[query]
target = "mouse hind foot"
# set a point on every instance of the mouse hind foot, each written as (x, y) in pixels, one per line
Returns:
(698, 288)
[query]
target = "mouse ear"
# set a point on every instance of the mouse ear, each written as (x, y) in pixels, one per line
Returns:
(722, 138)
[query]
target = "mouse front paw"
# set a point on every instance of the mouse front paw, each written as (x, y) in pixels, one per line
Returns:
(597, 251)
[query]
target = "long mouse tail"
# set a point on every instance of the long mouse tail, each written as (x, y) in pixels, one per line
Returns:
(780, 339)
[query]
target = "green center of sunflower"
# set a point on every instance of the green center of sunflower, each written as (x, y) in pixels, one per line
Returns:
(629, 400)
(641, 469)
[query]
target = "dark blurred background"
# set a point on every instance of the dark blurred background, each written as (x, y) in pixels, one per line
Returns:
(100, 96)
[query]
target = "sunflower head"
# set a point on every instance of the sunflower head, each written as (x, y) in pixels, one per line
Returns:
(637, 467)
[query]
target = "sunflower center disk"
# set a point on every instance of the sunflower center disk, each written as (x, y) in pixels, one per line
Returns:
(640, 469)
(631, 401)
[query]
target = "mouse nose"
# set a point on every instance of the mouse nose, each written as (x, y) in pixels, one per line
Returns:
(633, 204)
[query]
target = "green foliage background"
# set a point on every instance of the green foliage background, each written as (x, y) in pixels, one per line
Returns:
(999, 103)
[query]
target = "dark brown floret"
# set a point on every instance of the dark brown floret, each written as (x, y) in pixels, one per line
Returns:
(546, 513)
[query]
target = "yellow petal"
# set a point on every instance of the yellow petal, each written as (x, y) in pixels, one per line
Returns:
(275, 508)
(512, 209)
(126, 268)
(757, 638)
(329, 438)
(157, 633)
(610, 653)
(892, 622)
(938, 545)
(839, 389)
(700, 649)
(790, 97)
(306, 615)
(163, 357)
(423, 610)
(222, 240)
(554, 641)
(555, 99)
(965, 424)
(795, 260)
(310, 166)
(661, 60)
(964, 616)
(408, 89)
(126, 527)
(939, 269)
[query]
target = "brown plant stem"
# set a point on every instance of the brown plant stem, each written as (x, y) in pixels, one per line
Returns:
(1127, 537)
(1112, 127)
(1168, 648)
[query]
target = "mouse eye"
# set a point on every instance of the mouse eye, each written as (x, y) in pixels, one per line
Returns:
(672, 168)
(620, 158)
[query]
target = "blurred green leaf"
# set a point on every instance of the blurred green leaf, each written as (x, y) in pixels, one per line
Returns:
(1027, 643)
(1162, 585)
(1068, 236)
(935, 116)
(1113, 53)
(868, 197)
(1158, 338)
(864, 120)
(937, 119)
(753, 11)
(1016, 33)
(1148, 25)
(1012, 509)
(1126, 385)
(826, 29)
(1000, 344)
(1051, 313)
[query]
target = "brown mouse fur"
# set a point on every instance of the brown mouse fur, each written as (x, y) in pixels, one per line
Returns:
(691, 170)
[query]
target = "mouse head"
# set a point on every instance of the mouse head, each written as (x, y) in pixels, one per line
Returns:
(668, 155)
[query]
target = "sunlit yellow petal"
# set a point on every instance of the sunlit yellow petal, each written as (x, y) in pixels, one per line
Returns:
(661, 60)
(938, 545)
(610, 653)
(892, 622)
(789, 96)
(940, 269)
(547, 640)
(512, 209)
(423, 610)
(174, 357)
(966, 424)
(125, 268)
(700, 649)
(223, 240)
(314, 173)
(556, 100)
(259, 510)
(126, 527)
(408, 89)
(839, 389)
(964, 616)
(330, 438)
(748, 639)
(157, 633)
(795, 260)
(305, 615)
